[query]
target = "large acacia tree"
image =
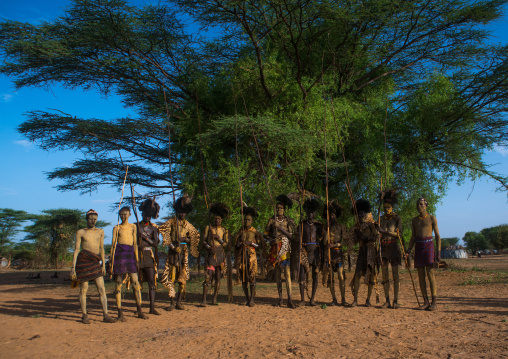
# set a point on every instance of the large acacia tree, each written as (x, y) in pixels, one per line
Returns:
(265, 80)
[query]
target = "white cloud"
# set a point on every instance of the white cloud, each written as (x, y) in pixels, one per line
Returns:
(8, 191)
(6, 97)
(26, 144)
(502, 150)
(102, 201)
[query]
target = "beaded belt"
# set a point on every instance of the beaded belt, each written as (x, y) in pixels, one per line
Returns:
(308, 244)
(147, 248)
(424, 240)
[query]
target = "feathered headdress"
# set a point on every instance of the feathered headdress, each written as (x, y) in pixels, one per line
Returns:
(250, 211)
(150, 208)
(284, 200)
(183, 204)
(388, 196)
(219, 209)
(311, 205)
(334, 208)
(362, 205)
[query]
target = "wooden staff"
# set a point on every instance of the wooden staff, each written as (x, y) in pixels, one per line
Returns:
(407, 266)
(330, 269)
(230, 286)
(171, 177)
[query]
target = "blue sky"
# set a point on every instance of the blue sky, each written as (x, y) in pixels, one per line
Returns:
(23, 184)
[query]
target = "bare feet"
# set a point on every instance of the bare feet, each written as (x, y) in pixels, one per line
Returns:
(85, 319)
(354, 304)
(121, 318)
(386, 305)
(312, 303)
(367, 303)
(334, 302)
(395, 305)
(290, 304)
(179, 306)
(433, 305)
(203, 304)
(108, 319)
(154, 312)
(280, 303)
(424, 306)
(141, 315)
(343, 303)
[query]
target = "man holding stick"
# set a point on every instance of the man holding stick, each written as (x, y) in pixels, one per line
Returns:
(426, 256)
(389, 227)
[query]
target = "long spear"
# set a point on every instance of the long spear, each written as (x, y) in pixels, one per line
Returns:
(262, 168)
(330, 270)
(171, 175)
(408, 267)
(230, 296)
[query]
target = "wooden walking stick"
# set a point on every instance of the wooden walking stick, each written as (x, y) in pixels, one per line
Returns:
(407, 266)
(230, 282)
(330, 269)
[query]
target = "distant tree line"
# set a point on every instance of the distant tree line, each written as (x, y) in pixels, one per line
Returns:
(49, 238)
(488, 238)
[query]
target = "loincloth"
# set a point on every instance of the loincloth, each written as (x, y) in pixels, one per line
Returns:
(124, 260)
(313, 252)
(280, 252)
(424, 252)
(390, 252)
(252, 264)
(367, 261)
(88, 266)
(174, 273)
(217, 259)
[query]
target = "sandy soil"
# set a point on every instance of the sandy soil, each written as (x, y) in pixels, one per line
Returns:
(41, 318)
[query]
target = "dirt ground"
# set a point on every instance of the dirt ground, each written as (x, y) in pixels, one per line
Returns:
(41, 318)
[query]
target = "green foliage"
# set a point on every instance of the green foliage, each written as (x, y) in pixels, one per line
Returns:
(452, 241)
(496, 236)
(265, 82)
(475, 241)
(53, 234)
(10, 222)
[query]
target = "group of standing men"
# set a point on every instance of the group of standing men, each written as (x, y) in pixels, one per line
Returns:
(309, 246)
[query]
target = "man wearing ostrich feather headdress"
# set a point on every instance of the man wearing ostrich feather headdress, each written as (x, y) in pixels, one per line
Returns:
(279, 232)
(390, 228)
(426, 255)
(148, 241)
(333, 251)
(215, 240)
(367, 261)
(248, 239)
(177, 233)
(311, 233)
